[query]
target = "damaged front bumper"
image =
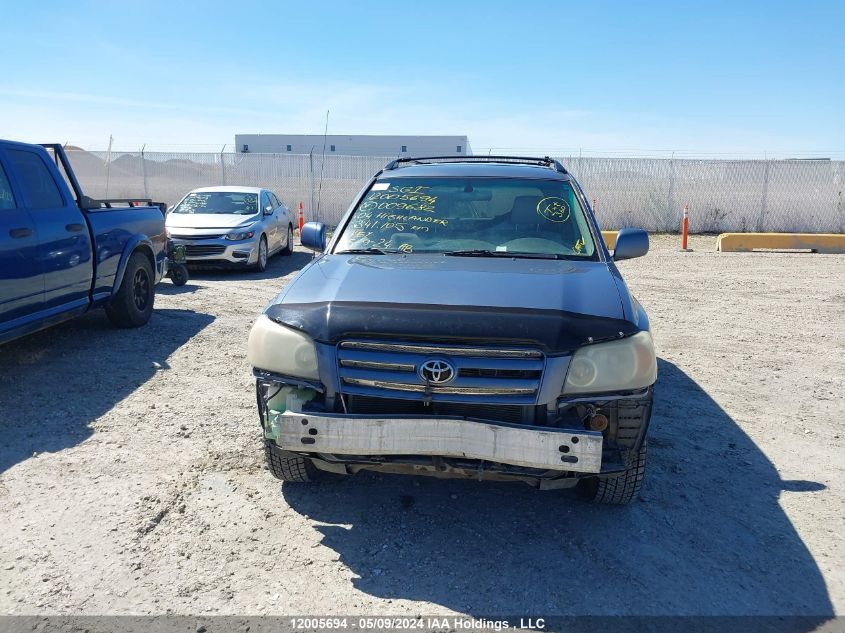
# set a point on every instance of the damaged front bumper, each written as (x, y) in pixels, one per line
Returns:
(545, 448)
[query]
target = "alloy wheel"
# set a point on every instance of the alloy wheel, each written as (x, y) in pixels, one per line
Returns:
(141, 289)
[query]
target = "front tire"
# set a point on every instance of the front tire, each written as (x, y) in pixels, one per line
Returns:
(292, 469)
(132, 304)
(263, 255)
(288, 249)
(618, 490)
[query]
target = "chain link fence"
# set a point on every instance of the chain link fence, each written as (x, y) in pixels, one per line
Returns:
(754, 195)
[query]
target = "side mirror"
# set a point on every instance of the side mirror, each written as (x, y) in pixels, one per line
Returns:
(268, 210)
(630, 243)
(314, 236)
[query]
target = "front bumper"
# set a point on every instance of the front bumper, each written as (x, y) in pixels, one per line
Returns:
(220, 251)
(517, 445)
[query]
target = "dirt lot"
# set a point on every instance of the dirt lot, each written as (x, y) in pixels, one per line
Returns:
(131, 477)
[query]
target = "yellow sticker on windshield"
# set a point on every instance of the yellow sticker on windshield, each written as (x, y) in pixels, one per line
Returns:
(553, 209)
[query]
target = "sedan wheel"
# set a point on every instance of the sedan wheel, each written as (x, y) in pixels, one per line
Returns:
(261, 264)
(288, 249)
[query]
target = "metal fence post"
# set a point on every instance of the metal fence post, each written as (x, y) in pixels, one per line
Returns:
(311, 177)
(763, 198)
(222, 167)
(671, 193)
(108, 166)
(144, 172)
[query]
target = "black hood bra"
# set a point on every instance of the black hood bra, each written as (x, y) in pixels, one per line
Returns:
(553, 331)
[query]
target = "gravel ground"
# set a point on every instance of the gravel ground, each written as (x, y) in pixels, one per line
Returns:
(132, 480)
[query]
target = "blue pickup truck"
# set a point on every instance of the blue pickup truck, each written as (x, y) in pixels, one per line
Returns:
(465, 320)
(63, 253)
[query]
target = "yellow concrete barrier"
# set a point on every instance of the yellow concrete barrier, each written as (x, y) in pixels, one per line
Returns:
(609, 239)
(746, 242)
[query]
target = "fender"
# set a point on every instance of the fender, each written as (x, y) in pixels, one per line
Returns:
(642, 316)
(136, 242)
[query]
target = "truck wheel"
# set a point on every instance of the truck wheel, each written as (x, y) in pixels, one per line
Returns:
(617, 490)
(263, 255)
(288, 249)
(293, 469)
(132, 304)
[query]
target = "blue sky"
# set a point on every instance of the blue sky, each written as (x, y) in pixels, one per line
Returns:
(718, 78)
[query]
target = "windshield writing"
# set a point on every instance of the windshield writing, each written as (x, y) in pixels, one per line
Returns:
(480, 214)
(219, 202)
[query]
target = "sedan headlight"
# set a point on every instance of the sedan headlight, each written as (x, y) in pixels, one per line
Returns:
(239, 236)
(282, 350)
(623, 365)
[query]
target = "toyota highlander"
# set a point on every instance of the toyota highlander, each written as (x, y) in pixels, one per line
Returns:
(465, 319)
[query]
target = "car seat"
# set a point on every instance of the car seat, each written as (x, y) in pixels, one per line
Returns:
(526, 220)
(524, 213)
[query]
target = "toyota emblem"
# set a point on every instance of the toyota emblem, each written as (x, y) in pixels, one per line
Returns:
(437, 372)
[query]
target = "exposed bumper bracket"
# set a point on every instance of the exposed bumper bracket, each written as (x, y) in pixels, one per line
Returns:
(518, 445)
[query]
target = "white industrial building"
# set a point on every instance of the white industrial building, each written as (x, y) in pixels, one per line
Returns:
(357, 145)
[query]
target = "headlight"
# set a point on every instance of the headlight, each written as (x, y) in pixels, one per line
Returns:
(238, 236)
(282, 350)
(623, 365)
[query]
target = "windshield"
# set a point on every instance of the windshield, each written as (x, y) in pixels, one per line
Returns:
(232, 202)
(481, 216)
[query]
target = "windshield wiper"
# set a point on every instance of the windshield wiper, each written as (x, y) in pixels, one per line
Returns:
(479, 252)
(365, 251)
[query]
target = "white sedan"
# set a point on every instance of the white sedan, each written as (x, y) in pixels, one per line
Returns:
(242, 226)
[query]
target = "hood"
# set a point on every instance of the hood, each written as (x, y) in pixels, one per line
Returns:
(558, 304)
(546, 284)
(208, 220)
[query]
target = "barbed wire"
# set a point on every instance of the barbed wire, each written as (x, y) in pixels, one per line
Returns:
(581, 152)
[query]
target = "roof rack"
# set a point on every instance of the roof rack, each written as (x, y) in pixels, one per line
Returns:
(521, 160)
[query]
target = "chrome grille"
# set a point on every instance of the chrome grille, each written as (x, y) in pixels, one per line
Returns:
(483, 374)
(423, 388)
(366, 364)
(500, 373)
(448, 350)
